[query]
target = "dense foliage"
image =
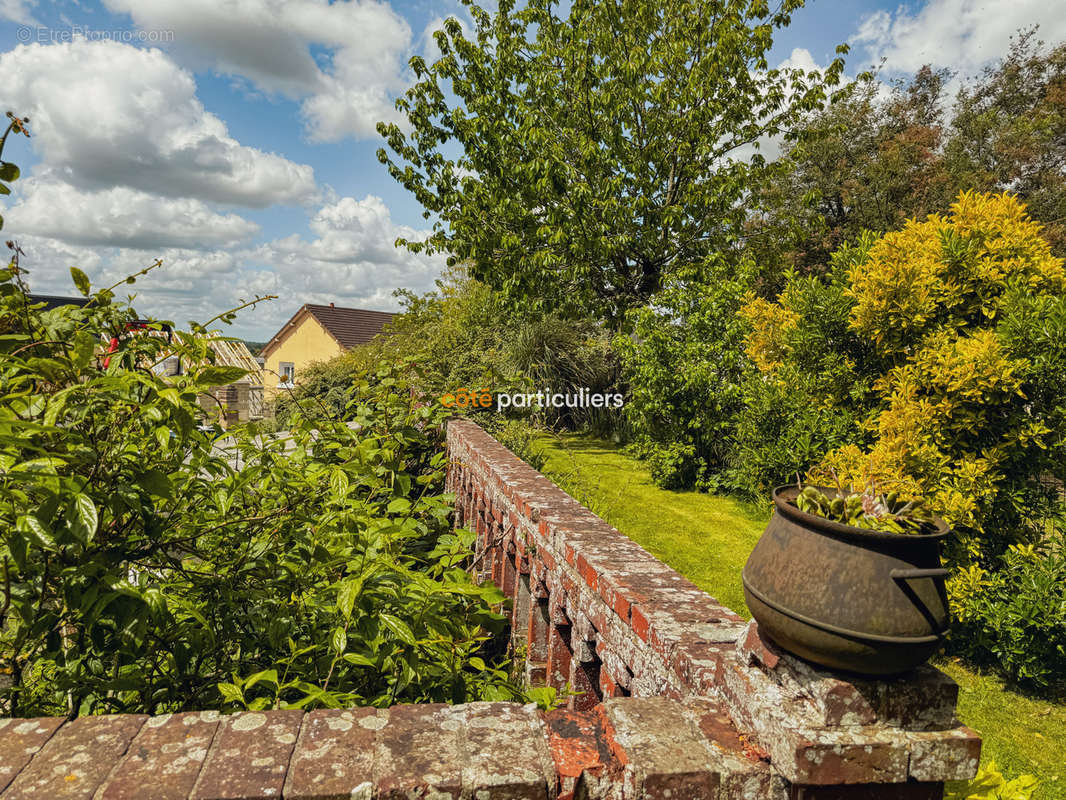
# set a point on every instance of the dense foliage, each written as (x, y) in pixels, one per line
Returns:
(462, 336)
(879, 156)
(684, 364)
(1013, 615)
(578, 158)
(150, 565)
(927, 335)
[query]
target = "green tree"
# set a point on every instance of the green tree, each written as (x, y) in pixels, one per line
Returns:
(864, 163)
(876, 158)
(576, 161)
(1008, 132)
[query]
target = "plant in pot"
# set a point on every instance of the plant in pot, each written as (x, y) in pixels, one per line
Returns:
(850, 579)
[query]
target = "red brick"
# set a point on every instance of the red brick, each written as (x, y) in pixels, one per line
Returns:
(76, 759)
(166, 756)
(19, 740)
(419, 752)
(586, 571)
(334, 753)
(577, 743)
(639, 623)
(249, 756)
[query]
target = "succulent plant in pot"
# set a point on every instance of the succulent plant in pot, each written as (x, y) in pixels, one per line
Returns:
(850, 579)
(869, 508)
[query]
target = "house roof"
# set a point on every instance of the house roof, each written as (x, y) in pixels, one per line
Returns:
(55, 301)
(232, 353)
(348, 326)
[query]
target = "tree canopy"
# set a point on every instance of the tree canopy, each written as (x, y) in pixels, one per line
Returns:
(577, 160)
(876, 158)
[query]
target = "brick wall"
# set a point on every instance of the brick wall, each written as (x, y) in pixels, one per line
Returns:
(595, 612)
(674, 697)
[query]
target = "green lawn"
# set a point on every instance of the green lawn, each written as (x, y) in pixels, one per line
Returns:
(708, 539)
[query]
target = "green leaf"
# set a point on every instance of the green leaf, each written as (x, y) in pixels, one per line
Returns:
(8, 171)
(171, 395)
(219, 376)
(338, 641)
(360, 660)
(156, 483)
(346, 595)
(84, 346)
(265, 676)
(338, 482)
(36, 531)
(230, 693)
(86, 516)
(399, 627)
(81, 280)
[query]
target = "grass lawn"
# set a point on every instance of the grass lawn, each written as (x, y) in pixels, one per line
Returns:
(707, 539)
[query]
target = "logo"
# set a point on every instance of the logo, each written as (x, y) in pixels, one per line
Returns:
(546, 398)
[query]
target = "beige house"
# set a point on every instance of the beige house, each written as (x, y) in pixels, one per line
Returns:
(315, 333)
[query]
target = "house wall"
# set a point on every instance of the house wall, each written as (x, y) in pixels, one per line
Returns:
(305, 345)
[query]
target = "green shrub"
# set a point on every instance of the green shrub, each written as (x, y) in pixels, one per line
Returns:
(1014, 616)
(564, 355)
(784, 428)
(144, 572)
(944, 342)
(683, 364)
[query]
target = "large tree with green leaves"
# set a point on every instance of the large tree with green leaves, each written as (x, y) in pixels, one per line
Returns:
(578, 160)
(882, 155)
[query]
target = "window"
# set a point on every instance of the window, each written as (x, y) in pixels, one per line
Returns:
(286, 373)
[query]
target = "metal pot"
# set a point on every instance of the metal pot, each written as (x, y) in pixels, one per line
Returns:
(848, 598)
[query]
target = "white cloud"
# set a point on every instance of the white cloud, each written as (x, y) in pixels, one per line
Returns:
(18, 11)
(108, 114)
(352, 254)
(120, 217)
(360, 46)
(962, 35)
(801, 58)
(349, 260)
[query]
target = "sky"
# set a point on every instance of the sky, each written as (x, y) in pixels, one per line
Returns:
(235, 139)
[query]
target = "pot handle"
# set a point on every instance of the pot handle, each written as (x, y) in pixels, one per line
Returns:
(904, 574)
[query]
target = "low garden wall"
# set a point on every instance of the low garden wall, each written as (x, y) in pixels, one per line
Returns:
(595, 612)
(667, 695)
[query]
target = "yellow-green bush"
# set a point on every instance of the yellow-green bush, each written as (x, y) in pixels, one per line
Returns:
(953, 325)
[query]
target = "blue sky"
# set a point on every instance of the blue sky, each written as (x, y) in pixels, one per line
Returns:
(234, 138)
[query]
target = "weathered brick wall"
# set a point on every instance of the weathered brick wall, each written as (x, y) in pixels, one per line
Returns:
(674, 697)
(595, 612)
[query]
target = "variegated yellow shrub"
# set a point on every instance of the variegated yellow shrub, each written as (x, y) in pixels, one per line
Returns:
(945, 325)
(771, 323)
